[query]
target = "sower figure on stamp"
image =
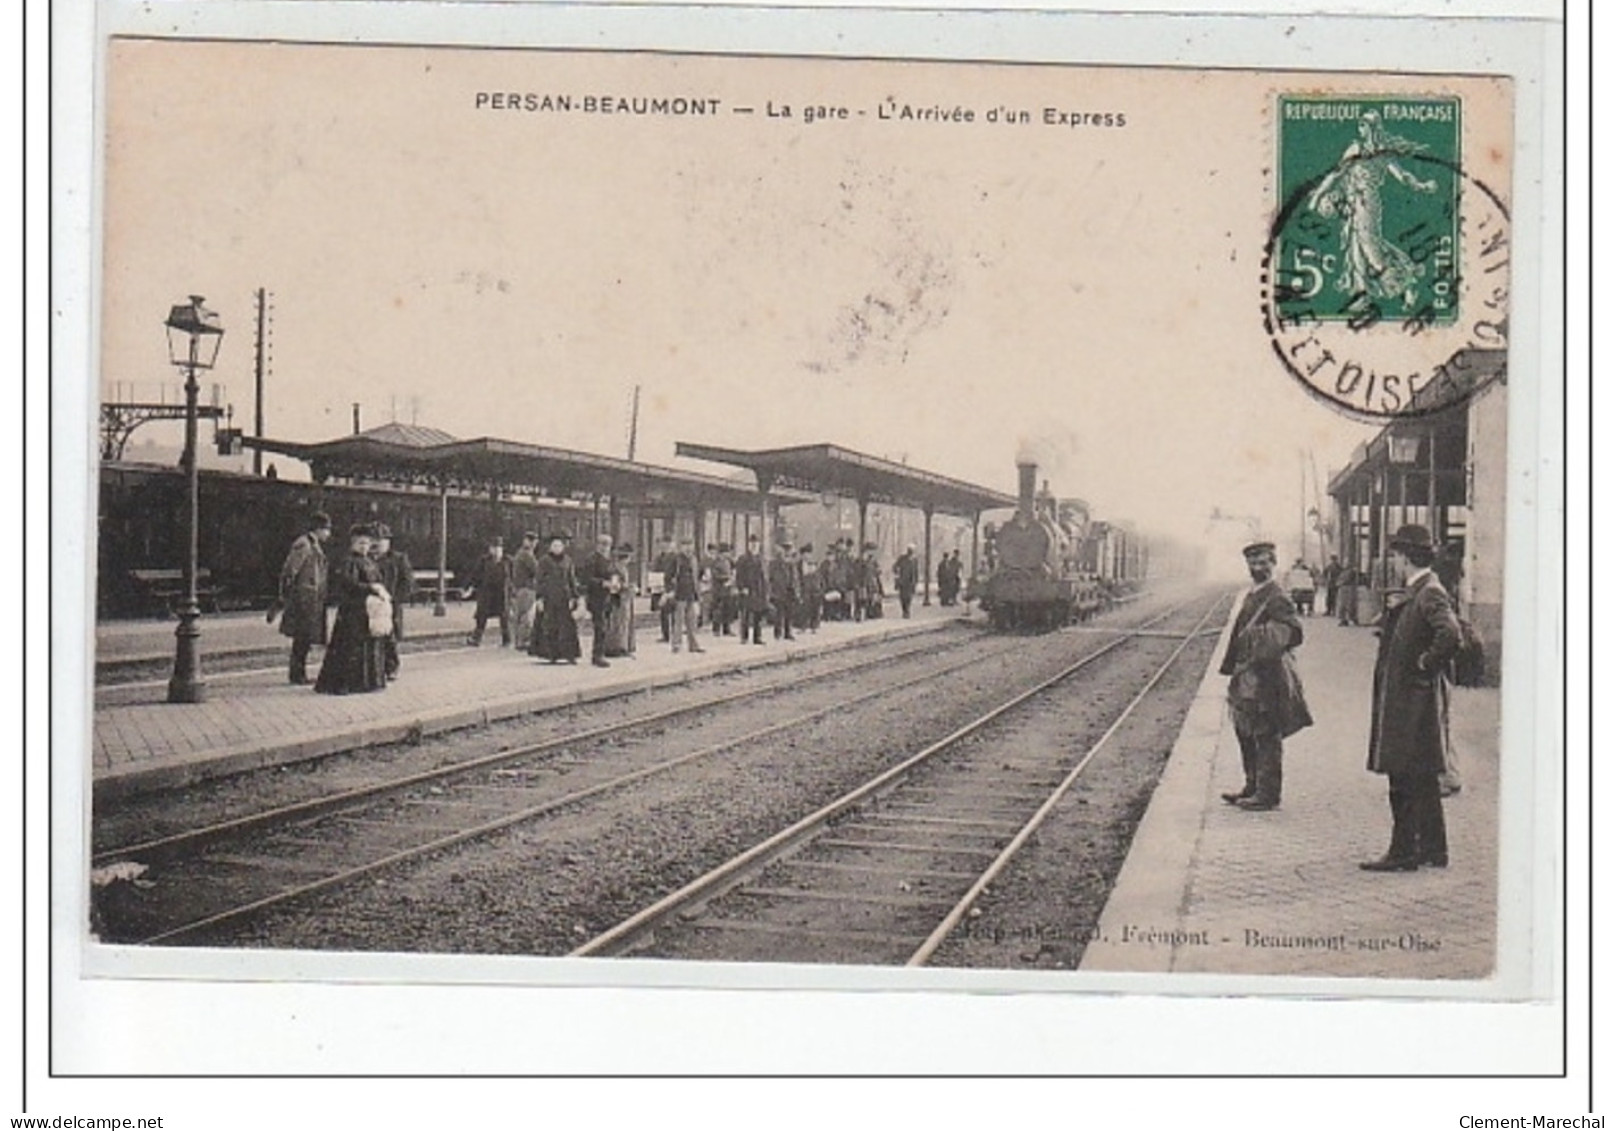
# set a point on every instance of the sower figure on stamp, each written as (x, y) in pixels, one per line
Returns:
(1407, 738)
(301, 603)
(1264, 694)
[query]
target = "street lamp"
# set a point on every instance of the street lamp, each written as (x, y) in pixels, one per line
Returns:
(194, 335)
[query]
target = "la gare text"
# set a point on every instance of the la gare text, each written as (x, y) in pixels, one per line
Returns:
(890, 110)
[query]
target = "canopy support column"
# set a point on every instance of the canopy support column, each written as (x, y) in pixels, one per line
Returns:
(863, 522)
(975, 541)
(439, 609)
(765, 483)
(926, 580)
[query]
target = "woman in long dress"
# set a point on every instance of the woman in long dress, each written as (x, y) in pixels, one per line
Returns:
(620, 608)
(555, 632)
(354, 660)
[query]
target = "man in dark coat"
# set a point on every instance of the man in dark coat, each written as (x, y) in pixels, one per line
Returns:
(906, 573)
(751, 586)
(723, 591)
(662, 600)
(684, 595)
(301, 603)
(493, 593)
(1264, 693)
(784, 589)
(811, 608)
(399, 578)
(1331, 584)
(598, 575)
(1408, 731)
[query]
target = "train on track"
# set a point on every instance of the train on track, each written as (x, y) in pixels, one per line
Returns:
(247, 522)
(1052, 564)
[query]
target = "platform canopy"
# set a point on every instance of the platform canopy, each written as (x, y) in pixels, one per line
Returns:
(398, 453)
(827, 469)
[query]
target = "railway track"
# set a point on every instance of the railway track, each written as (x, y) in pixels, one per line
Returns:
(886, 872)
(206, 879)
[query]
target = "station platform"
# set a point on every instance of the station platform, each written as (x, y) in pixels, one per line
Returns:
(141, 743)
(1211, 889)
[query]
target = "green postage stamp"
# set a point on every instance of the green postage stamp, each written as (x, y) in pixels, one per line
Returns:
(1369, 191)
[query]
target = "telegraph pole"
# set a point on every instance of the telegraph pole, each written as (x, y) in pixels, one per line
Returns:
(258, 387)
(633, 426)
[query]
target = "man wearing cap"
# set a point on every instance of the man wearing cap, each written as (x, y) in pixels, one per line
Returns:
(493, 593)
(684, 595)
(1407, 739)
(662, 599)
(723, 591)
(1264, 693)
(524, 586)
(751, 585)
(399, 578)
(301, 603)
(906, 572)
(811, 608)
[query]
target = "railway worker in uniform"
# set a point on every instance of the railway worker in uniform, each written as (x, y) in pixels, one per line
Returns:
(784, 589)
(301, 602)
(751, 587)
(684, 594)
(906, 573)
(600, 581)
(524, 585)
(492, 580)
(399, 578)
(812, 606)
(555, 632)
(1408, 729)
(662, 599)
(356, 659)
(1264, 694)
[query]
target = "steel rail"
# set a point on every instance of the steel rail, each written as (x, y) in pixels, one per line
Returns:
(314, 807)
(487, 828)
(993, 870)
(738, 868)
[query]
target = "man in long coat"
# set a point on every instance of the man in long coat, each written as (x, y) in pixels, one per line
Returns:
(493, 593)
(906, 572)
(751, 586)
(598, 575)
(303, 580)
(784, 590)
(1264, 693)
(1408, 731)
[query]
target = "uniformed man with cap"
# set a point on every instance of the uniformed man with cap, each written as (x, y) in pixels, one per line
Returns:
(1264, 692)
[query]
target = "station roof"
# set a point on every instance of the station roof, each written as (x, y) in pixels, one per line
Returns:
(411, 454)
(826, 468)
(1447, 428)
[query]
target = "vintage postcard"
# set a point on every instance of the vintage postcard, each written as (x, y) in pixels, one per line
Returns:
(640, 517)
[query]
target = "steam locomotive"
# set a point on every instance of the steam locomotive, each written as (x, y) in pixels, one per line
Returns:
(1051, 564)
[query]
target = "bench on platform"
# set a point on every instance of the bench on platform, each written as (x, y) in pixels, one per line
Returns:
(163, 590)
(426, 586)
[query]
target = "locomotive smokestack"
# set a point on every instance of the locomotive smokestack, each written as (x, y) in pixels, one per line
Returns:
(1028, 471)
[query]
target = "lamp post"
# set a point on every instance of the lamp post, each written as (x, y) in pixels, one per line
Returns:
(194, 335)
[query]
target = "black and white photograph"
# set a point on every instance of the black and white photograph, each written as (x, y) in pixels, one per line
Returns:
(694, 518)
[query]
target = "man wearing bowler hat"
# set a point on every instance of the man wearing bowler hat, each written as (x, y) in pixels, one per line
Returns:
(1264, 692)
(1407, 738)
(398, 576)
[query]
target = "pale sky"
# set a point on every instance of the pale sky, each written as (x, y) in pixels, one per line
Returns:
(947, 293)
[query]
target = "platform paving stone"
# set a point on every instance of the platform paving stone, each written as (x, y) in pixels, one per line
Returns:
(1202, 875)
(262, 720)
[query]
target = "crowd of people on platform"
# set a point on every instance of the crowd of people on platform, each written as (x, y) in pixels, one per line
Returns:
(535, 597)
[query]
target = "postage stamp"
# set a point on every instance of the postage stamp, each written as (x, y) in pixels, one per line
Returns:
(1385, 284)
(1375, 187)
